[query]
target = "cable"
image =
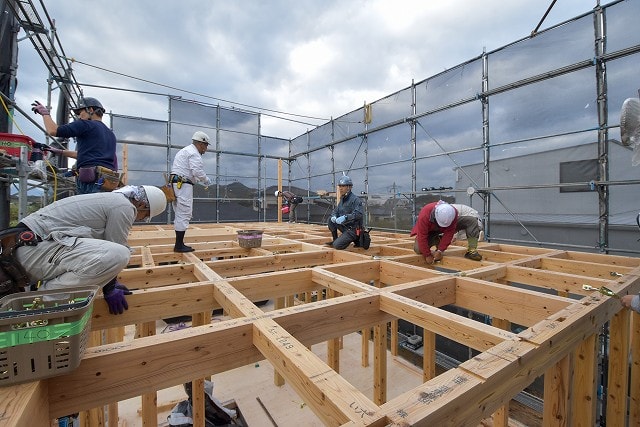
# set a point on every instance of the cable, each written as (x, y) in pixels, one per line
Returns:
(535, 31)
(194, 93)
(9, 113)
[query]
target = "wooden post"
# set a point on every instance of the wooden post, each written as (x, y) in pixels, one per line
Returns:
(366, 335)
(279, 199)
(197, 385)
(584, 397)
(634, 395)
(94, 416)
(618, 379)
(394, 337)
(380, 364)
(125, 164)
(114, 335)
(501, 416)
(333, 345)
(279, 302)
(428, 355)
(557, 379)
(149, 402)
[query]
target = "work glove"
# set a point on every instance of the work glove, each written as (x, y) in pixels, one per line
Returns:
(38, 108)
(114, 293)
(333, 219)
(341, 219)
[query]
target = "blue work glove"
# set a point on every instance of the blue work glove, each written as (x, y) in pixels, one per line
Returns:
(38, 108)
(341, 219)
(333, 219)
(114, 293)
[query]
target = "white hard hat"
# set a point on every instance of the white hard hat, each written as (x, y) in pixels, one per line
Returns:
(200, 136)
(157, 200)
(276, 193)
(445, 214)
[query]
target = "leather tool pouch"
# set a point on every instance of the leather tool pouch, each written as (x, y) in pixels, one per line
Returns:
(107, 179)
(365, 238)
(13, 276)
(167, 189)
(87, 174)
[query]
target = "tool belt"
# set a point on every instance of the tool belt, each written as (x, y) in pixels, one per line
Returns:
(13, 276)
(107, 179)
(179, 180)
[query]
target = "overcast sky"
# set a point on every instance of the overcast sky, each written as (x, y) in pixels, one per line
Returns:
(319, 59)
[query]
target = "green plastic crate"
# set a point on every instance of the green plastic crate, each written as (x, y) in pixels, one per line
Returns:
(44, 339)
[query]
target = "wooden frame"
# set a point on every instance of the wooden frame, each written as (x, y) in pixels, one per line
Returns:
(363, 290)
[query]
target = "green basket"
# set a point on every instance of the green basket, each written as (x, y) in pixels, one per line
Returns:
(44, 333)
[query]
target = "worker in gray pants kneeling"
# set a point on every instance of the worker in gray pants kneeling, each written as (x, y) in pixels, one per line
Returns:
(82, 240)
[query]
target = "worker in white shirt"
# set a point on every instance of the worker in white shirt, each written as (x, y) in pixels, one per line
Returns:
(187, 170)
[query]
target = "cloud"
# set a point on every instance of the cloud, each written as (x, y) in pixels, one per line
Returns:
(319, 59)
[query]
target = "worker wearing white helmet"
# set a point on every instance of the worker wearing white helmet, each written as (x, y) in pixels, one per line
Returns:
(292, 201)
(435, 226)
(82, 240)
(187, 170)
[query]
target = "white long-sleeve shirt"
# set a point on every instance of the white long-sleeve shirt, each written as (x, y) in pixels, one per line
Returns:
(188, 164)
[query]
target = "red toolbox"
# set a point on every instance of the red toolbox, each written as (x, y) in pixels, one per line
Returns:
(10, 144)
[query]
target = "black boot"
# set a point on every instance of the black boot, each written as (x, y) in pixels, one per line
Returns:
(180, 246)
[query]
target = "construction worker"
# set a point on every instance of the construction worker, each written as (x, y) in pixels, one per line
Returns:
(435, 226)
(95, 143)
(82, 240)
(346, 217)
(631, 301)
(187, 169)
(470, 223)
(292, 200)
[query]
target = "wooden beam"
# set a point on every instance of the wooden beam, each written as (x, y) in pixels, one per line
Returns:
(552, 279)
(25, 405)
(268, 263)
(156, 303)
(582, 268)
(120, 371)
(330, 396)
(520, 306)
(460, 329)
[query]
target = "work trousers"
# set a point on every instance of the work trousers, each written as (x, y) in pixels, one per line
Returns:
(471, 226)
(182, 206)
(345, 239)
(90, 262)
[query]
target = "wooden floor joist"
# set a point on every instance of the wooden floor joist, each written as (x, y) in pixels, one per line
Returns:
(329, 294)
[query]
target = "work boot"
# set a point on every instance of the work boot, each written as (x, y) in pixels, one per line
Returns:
(474, 255)
(180, 246)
